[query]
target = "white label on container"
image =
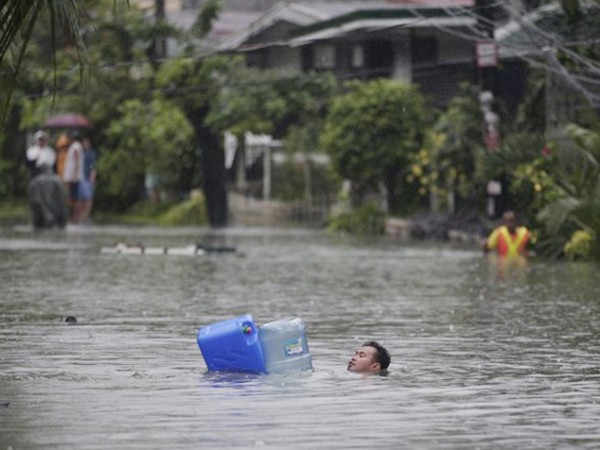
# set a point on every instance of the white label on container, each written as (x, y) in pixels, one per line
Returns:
(294, 347)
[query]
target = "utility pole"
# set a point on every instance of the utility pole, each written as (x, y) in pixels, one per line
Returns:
(487, 66)
(486, 48)
(160, 43)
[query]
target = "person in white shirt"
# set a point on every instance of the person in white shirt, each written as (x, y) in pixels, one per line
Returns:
(40, 154)
(73, 175)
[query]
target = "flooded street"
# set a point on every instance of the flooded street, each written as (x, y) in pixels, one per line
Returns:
(484, 355)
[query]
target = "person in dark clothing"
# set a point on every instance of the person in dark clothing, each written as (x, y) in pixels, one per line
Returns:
(48, 200)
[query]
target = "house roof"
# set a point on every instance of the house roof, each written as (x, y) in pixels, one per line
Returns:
(228, 22)
(315, 20)
(297, 14)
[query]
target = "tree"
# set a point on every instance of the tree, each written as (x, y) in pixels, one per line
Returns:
(262, 101)
(577, 206)
(447, 165)
(195, 85)
(147, 138)
(269, 102)
(371, 132)
(118, 43)
(21, 19)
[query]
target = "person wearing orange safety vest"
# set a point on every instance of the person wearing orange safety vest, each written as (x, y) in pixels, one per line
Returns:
(508, 239)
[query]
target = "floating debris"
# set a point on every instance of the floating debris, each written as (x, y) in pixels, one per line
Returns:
(71, 320)
(192, 250)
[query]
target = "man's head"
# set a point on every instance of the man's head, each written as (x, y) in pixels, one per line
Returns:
(369, 358)
(40, 138)
(63, 142)
(74, 134)
(509, 219)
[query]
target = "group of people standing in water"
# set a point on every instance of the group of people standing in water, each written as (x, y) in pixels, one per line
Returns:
(62, 179)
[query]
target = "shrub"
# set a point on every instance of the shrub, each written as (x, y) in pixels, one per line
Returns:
(579, 246)
(365, 220)
(188, 212)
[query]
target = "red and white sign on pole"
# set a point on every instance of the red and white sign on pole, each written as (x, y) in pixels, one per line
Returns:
(487, 54)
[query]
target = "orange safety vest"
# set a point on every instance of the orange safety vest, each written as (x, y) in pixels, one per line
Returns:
(509, 244)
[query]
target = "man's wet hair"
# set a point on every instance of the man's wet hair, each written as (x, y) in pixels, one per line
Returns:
(381, 356)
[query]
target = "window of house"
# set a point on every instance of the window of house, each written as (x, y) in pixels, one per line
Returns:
(379, 54)
(358, 56)
(424, 50)
(324, 56)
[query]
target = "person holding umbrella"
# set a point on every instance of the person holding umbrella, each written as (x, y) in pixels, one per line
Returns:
(62, 121)
(73, 174)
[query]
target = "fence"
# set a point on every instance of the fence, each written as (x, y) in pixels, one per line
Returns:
(246, 210)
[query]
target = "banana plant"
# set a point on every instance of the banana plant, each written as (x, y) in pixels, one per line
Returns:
(577, 175)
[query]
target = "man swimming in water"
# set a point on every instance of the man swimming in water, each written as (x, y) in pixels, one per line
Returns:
(370, 358)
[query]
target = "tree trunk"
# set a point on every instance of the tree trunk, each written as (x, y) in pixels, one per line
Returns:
(391, 182)
(213, 174)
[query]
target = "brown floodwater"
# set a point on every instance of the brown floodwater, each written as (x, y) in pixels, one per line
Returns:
(485, 355)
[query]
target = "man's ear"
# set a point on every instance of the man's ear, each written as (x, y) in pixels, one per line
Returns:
(375, 367)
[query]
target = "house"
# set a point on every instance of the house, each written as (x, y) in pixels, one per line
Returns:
(430, 43)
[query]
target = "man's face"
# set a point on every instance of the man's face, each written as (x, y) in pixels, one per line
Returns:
(364, 360)
(511, 223)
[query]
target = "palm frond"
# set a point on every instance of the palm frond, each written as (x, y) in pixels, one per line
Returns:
(18, 19)
(556, 213)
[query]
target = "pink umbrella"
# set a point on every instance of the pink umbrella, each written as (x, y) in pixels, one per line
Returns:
(68, 121)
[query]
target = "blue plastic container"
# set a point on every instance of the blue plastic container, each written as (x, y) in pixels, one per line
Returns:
(284, 346)
(232, 345)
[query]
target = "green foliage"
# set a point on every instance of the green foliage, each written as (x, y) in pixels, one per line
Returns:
(262, 101)
(450, 161)
(117, 40)
(208, 14)
(78, 40)
(288, 182)
(367, 219)
(146, 138)
(20, 20)
(304, 180)
(577, 203)
(579, 247)
(196, 84)
(527, 162)
(191, 212)
(372, 131)
(14, 211)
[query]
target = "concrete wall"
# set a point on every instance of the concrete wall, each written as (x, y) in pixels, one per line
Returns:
(402, 70)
